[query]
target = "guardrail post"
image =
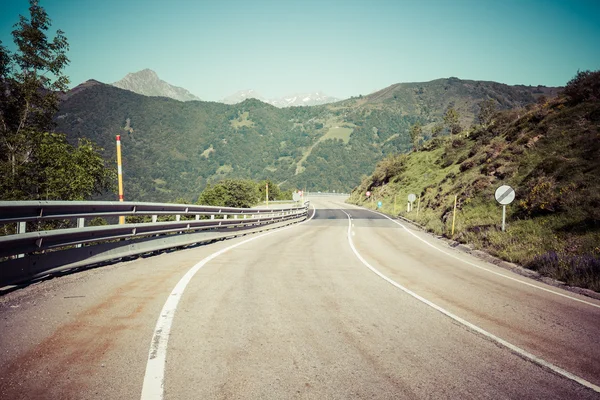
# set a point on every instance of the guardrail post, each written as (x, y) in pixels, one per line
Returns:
(21, 228)
(224, 216)
(235, 217)
(80, 224)
(154, 218)
(178, 218)
(197, 217)
(212, 216)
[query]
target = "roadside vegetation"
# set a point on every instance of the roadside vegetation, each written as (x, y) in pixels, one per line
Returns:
(548, 152)
(36, 162)
(241, 193)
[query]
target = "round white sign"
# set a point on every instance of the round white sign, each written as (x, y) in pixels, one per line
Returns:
(412, 197)
(368, 194)
(505, 195)
(296, 196)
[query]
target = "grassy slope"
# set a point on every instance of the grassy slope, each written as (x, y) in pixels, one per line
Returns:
(549, 153)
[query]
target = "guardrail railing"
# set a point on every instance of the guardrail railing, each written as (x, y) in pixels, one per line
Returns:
(31, 255)
(319, 194)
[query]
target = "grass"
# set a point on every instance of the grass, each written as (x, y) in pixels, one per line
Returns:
(206, 153)
(334, 131)
(337, 132)
(242, 120)
(224, 169)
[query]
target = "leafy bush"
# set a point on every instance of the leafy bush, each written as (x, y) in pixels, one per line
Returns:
(388, 168)
(231, 193)
(585, 86)
(540, 196)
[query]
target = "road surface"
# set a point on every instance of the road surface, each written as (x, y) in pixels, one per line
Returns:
(348, 305)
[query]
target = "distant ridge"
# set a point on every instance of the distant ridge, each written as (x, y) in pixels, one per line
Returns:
(80, 88)
(298, 99)
(148, 83)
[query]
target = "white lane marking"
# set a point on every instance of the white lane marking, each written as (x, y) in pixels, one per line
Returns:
(154, 379)
(486, 269)
(469, 325)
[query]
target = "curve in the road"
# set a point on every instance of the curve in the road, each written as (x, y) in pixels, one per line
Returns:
(467, 324)
(485, 269)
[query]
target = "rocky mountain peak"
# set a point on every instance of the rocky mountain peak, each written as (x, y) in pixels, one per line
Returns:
(148, 83)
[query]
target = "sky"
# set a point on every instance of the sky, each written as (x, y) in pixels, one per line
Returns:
(342, 48)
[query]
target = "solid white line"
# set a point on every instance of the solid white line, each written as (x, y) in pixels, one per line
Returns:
(486, 269)
(469, 325)
(154, 379)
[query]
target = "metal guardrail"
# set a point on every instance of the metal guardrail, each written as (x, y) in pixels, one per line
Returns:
(319, 194)
(31, 255)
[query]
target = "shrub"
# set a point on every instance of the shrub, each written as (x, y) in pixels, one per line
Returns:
(231, 193)
(585, 86)
(540, 196)
(466, 165)
(388, 168)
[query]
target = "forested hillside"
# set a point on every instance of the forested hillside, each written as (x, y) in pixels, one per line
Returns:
(548, 152)
(172, 149)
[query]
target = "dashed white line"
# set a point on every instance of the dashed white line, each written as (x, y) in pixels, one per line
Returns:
(154, 379)
(468, 325)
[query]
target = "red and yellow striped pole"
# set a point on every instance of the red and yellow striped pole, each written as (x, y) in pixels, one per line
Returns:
(120, 174)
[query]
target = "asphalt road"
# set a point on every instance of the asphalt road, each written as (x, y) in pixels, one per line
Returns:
(348, 305)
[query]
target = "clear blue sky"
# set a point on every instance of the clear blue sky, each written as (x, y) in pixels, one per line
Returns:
(344, 48)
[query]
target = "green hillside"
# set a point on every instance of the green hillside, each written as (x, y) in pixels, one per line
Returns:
(548, 152)
(172, 149)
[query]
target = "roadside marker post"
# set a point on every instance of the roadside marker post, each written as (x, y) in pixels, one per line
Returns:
(504, 195)
(395, 204)
(120, 175)
(418, 206)
(454, 214)
(267, 193)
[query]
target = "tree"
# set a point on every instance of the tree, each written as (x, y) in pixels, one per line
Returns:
(416, 134)
(452, 121)
(32, 159)
(487, 109)
(274, 192)
(231, 193)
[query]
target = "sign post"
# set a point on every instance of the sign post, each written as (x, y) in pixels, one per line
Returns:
(296, 196)
(504, 195)
(411, 198)
(267, 193)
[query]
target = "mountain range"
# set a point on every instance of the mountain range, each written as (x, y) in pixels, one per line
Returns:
(297, 99)
(173, 149)
(147, 83)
